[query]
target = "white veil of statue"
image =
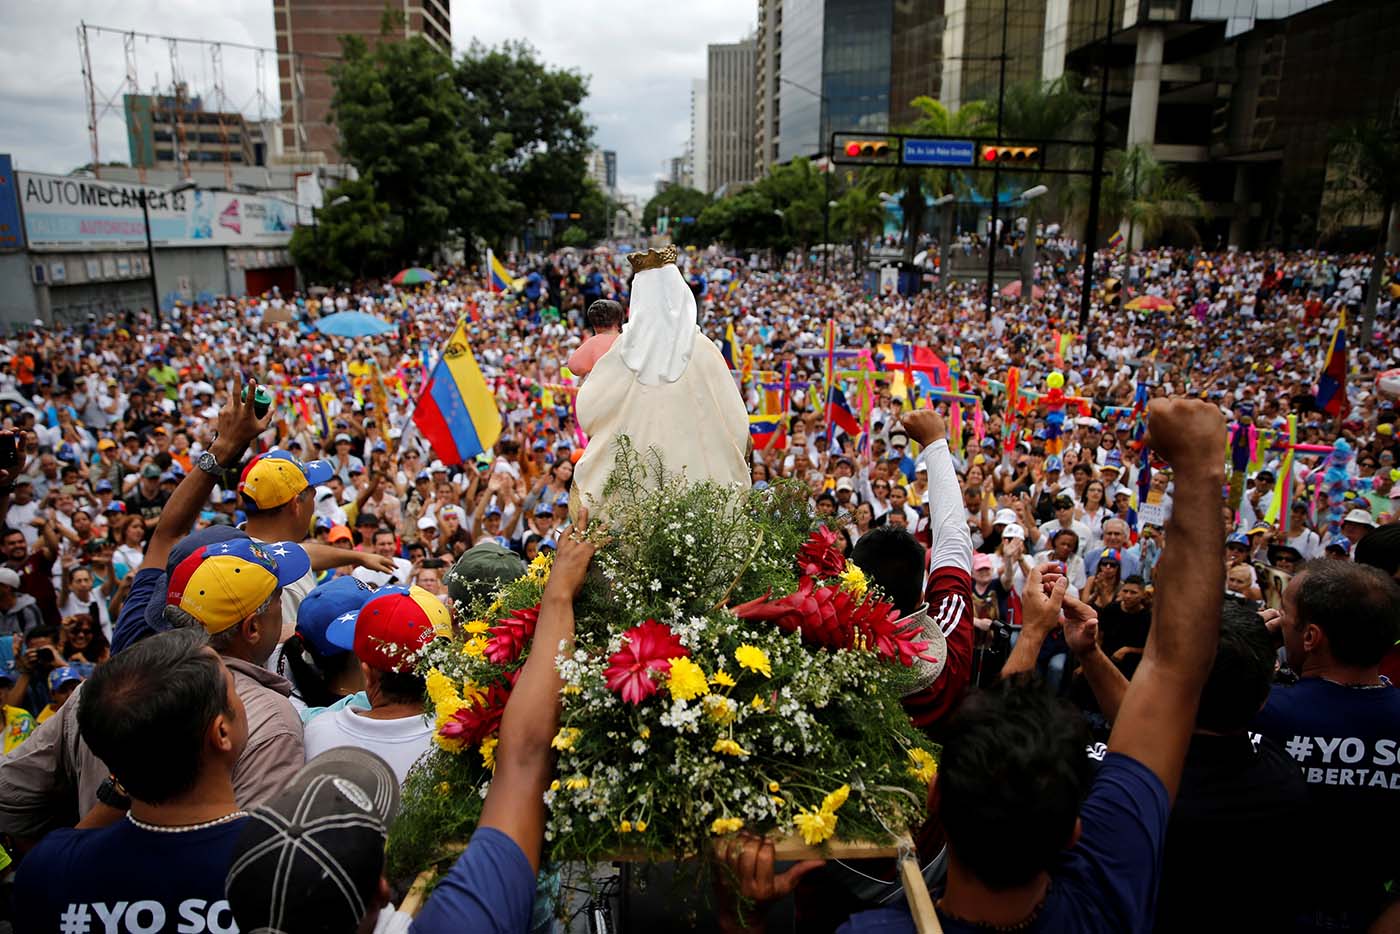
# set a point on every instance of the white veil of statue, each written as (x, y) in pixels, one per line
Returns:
(664, 385)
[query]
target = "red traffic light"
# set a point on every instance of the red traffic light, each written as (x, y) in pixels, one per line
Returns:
(853, 149)
(1010, 153)
(989, 153)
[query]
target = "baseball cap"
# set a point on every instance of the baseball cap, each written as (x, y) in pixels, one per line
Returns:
(150, 472)
(9, 578)
(1259, 527)
(336, 598)
(544, 509)
(341, 437)
(981, 562)
(423, 475)
(1339, 543)
(323, 524)
(1237, 538)
(844, 483)
(1111, 554)
(275, 478)
(62, 675)
(539, 445)
(222, 584)
(1360, 517)
(1053, 462)
(340, 533)
(1014, 530)
(169, 477)
(116, 506)
(310, 859)
(562, 500)
(482, 569)
(106, 444)
(397, 622)
(103, 486)
(1004, 517)
(427, 522)
(452, 509)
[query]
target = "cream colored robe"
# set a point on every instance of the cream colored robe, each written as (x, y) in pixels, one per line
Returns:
(698, 423)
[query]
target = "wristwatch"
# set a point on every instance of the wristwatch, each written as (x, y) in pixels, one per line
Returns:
(111, 793)
(208, 463)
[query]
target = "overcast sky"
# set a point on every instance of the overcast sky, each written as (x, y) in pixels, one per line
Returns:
(640, 59)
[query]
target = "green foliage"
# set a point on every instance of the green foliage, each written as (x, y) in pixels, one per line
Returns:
(858, 215)
(654, 776)
(350, 239)
(677, 201)
(575, 236)
(745, 221)
(1149, 195)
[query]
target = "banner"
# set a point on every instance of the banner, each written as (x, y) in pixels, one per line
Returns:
(65, 212)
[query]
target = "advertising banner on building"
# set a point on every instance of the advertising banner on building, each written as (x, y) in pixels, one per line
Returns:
(11, 236)
(63, 212)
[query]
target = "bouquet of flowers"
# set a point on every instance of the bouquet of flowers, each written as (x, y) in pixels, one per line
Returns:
(730, 669)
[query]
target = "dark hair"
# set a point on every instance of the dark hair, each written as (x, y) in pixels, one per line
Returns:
(97, 643)
(1380, 548)
(43, 631)
(433, 564)
(604, 313)
(1011, 780)
(383, 530)
(402, 687)
(1356, 605)
(8, 532)
(312, 672)
(145, 712)
(1134, 579)
(1239, 679)
(894, 561)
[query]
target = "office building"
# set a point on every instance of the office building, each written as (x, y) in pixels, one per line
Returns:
(729, 121)
(972, 47)
(698, 146)
(595, 166)
(610, 168)
(1243, 97)
(175, 131)
(308, 42)
(832, 66)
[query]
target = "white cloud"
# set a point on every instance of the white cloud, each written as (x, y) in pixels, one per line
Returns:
(640, 60)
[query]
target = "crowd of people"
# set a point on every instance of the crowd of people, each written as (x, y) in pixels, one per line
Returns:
(207, 612)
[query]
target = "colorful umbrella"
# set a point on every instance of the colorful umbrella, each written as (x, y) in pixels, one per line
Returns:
(414, 275)
(1150, 303)
(353, 324)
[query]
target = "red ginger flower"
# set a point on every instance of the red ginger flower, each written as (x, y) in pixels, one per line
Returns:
(646, 648)
(819, 556)
(832, 618)
(509, 635)
(474, 722)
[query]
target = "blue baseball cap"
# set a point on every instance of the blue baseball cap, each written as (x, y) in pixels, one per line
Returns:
(563, 500)
(544, 509)
(334, 603)
(1053, 462)
(213, 535)
(104, 486)
(62, 675)
(1238, 538)
(493, 511)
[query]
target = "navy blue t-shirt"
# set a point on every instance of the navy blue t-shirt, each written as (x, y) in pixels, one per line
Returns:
(131, 625)
(1106, 882)
(124, 879)
(1346, 742)
(491, 888)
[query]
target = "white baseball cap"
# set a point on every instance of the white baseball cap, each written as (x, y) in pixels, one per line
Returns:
(1005, 517)
(1360, 517)
(1014, 530)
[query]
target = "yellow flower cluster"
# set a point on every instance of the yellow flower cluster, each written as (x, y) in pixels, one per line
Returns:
(720, 709)
(688, 680)
(723, 679)
(754, 659)
(728, 747)
(922, 765)
(539, 568)
(724, 825)
(577, 783)
(478, 627)
(624, 827)
(488, 752)
(442, 691)
(565, 738)
(818, 824)
(475, 647)
(853, 581)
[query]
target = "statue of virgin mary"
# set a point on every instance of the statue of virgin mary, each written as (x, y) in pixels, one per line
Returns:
(665, 385)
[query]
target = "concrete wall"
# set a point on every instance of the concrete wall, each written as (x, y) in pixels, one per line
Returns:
(190, 274)
(19, 304)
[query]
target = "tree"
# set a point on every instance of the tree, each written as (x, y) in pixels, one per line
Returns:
(401, 123)
(676, 201)
(797, 191)
(575, 236)
(915, 185)
(1054, 110)
(746, 221)
(528, 119)
(1367, 161)
(350, 239)
(858, 215)
(1144, 194)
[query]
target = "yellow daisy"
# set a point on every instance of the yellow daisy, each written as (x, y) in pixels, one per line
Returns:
(853, 581)
(922, 765)
(728, 747)
(577, 783)
(754, 659)
(688, 680)
(723, 679)
(488, 752)
(719, 709)
(564, 739)
(815, 826)
(837, 798)
(723, 825)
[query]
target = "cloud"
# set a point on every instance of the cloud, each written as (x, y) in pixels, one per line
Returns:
(640, 60)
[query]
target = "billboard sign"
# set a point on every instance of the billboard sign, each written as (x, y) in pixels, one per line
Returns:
(11, 233)
(65, 212)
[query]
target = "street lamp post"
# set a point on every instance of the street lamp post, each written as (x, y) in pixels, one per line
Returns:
(1028, 245)
(945, 236)
(826, 173)
(186, 185)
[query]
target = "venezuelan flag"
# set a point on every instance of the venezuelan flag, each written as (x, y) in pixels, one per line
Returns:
(500, 279)
(839, 414)
(456, 412)
(764, 428)
(1115, 241)
(733, 356)
(1332, 384)
(893, 356)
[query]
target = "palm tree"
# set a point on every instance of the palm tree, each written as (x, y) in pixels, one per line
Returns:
(1366, 162)
(1144, 194)
(1054, 110)
(858, 214)
(915, 185)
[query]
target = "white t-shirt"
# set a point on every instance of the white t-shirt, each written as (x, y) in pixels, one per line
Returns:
(398, 742)
(377, 579)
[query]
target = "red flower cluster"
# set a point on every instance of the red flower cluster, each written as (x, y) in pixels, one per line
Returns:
(819, 556)
(509, 635)
(646, 648)
(472, 723)
(831, 617)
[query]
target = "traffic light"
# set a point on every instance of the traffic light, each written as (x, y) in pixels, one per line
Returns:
(1010, 155)
(867, 149)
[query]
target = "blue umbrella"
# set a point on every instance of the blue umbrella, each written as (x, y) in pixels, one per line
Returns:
(353, 324)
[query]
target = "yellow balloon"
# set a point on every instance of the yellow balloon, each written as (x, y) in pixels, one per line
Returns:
(1055, 380)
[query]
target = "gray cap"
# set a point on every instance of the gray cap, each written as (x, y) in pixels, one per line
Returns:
(482, 569)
